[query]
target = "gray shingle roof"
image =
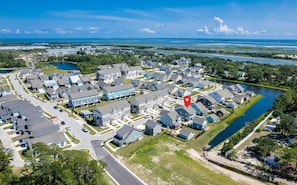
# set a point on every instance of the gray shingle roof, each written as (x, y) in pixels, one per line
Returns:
(185, 132)
(145, 97)
(82, 94)
(110, 107)
(118, 88)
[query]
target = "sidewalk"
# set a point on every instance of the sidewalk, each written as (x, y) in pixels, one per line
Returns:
(7, 143)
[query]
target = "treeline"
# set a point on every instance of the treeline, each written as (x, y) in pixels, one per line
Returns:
(8, 60)
(52, 165)
(89, 63)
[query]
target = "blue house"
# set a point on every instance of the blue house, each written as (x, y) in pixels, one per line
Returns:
(186, 113)
(199, 123)
(118, 92)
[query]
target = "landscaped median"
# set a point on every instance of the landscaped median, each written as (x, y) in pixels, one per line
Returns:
(72, 138)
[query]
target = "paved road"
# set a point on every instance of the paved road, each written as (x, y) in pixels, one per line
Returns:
(114, 168)
(85, 138)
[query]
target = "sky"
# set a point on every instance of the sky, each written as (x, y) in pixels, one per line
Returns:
(149, 19)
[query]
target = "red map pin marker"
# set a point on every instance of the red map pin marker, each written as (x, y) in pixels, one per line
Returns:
(187, 101)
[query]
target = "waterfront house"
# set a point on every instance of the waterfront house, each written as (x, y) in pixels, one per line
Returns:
(152, 128)
(231, 105)
(212, 118)
(185, 134)
(107, 114)
(222, 95)
(109, 75)
(84, 98)
(199, 123)
(235, 89)
(147, 102)
(170, 119)
(118, 92)
(238, 98)
(250, 93)
(126, 135)
(221, 112)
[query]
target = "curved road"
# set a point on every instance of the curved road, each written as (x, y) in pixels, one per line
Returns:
(119, 173)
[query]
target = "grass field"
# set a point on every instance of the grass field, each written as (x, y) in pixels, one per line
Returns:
(162, 159)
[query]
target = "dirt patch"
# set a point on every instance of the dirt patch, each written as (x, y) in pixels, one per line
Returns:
(155, 159)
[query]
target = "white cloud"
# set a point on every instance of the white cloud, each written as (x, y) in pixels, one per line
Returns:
(27, 32)
(40, 32)
(147, 30)
(205, 30)
(223, 28)
(94, 28)
(159, 25)
(18, 31)
(78, 28)
(5, 30)
(242, 31)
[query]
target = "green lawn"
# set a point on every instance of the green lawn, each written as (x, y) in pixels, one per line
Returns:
(162, 159)
(91, 131)
(73, 139)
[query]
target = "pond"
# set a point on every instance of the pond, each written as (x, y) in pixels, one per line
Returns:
(254, 112)
(64, 66)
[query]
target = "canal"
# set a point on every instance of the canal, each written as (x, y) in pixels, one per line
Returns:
(254, 112)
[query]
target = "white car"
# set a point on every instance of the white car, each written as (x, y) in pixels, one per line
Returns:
(85, 129)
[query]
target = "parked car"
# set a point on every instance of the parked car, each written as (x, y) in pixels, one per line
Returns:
(61, 110)
(55, 107)
(67, 128)
(85, 129)
(62, 122)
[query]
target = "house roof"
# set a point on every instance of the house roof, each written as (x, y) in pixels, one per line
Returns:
(36, 83)
(49, 83)
(185, 132)
(109, 71)
(110, 89)
(153, 95)
(151, 124)
(113, 106)
(198, 120)
(124, 131)
(188, 109)
(56, 137)
(74, 79)
(213, 116)
(82, 94)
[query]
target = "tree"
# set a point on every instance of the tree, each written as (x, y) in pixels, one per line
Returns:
(52, 165)
(6, 175)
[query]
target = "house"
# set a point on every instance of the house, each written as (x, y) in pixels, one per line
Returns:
(149, 64)
(235, 89)
(175, 77)
(222, 95)
(250, 93)
(272, 161)
(104, 67)
(239, 99)
(126, 135)
(135, 83)
(107, 114)
(159, 76)
(231, 105)
(50, 84)
(51, 94)
(132, 72)
(85, 79)
(75, 80)
(108, 75)
(63, 82)
(207, 101)
(118, 92)
(4, 92)
(199, 108)
(147, 85)
(36, 85)
(212, 118)
(170, 120)
(120, 65)
(199, 123)
(84, 98)
(202, 84)
(118, 82)
(171, 89)
(147, 102)
(157, 87)
(186, 113)
(152, 128)
(181, 92)
(221, 112)
(185, 134)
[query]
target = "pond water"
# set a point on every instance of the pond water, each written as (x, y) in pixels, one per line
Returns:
(254, 112)
(65, 66)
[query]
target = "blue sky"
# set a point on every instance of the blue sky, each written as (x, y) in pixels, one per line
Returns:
(148, 19)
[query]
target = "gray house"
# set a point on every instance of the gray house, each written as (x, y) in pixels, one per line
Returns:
(170, 119)
(199, 123)
(185, 134)
(107, 114)
(84, 98)
(186, 113)
(152, 128)
(127, 135)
